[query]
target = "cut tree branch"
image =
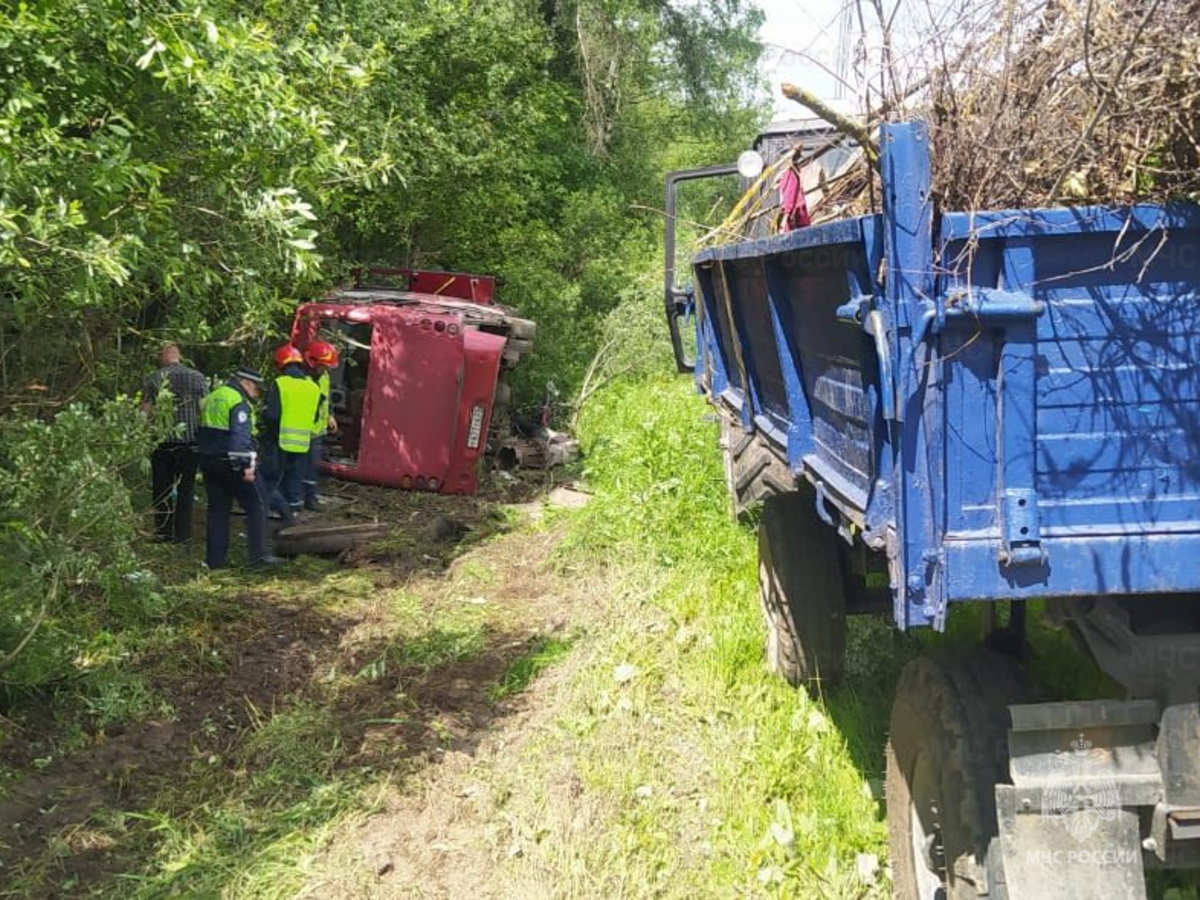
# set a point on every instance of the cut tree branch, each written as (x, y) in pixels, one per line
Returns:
(844, 124)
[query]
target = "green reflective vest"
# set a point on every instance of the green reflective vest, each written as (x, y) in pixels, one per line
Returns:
(216, 407)
(298, 400)
(321, 422)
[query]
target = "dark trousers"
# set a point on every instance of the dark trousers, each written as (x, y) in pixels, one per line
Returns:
(172, 482)
(281, 474)
(312, 470)
(223, 485)
(295, 465)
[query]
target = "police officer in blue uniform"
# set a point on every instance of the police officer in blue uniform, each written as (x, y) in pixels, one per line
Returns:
(225, 446)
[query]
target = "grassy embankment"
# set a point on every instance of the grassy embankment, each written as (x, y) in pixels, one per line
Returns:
(700, 774)
(663, 760)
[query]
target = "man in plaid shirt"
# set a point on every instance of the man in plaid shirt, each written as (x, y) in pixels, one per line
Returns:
(173, 462)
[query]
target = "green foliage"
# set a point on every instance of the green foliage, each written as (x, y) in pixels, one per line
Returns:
(71, 578)
(193, 169)
(158, 168)
(650, 459)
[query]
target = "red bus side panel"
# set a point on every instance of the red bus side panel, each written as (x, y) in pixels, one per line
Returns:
(409, 415)
(482, 352)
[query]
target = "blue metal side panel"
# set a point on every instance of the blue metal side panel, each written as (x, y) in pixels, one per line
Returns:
(726, 290)
(710, 366)
(845, 231)
(836, 361)
(713, 314)
(800, 414)
(1102, 388)
(747, 283)
(726, 380)
(1028, 223)
(1082, 566)
(813, 380)
(969, 391)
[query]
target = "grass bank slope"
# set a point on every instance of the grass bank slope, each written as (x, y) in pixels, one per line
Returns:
(678, 767)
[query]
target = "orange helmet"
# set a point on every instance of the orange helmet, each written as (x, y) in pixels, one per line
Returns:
(287, 354)
(320, 353)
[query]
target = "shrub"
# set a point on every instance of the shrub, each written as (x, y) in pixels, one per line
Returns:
(70, 577)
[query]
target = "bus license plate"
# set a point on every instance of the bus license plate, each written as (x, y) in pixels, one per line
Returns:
(473, 434)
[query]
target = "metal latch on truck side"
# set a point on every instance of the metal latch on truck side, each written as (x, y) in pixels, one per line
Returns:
(1022, 531)
(859, 312)
(989, 306)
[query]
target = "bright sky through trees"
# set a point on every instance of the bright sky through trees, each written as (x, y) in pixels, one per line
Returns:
(800, 41)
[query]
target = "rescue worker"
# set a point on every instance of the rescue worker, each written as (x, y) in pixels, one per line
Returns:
(225, 444)
(321, 357)
(173, 462)
(287, 429)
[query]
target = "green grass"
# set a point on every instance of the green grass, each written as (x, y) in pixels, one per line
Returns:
(261, 788)
(440, 646)
(702, 775)
(120, 696)
(544, 652)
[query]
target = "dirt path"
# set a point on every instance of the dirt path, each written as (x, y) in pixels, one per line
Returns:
(440, 834)
(443, 835)
(406, 666)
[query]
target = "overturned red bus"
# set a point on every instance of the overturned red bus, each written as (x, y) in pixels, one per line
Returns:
(422, 355)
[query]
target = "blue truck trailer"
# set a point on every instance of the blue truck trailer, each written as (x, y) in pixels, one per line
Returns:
(935, 407)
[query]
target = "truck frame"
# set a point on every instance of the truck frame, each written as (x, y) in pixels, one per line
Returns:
(996, 407)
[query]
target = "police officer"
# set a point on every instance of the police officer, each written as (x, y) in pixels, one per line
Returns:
(320, 357)
(225, 445)
(287, 423)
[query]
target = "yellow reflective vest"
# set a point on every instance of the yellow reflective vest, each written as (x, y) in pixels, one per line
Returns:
(298, 401)
(321, 422)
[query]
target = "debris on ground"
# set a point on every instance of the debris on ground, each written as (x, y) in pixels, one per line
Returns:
(321, 540)
(543, 451)
(1029, 104)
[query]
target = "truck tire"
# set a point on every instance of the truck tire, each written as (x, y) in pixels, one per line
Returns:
(514, 349)
(801, 587)
(752, 472)
(948, 748)
(522, 328)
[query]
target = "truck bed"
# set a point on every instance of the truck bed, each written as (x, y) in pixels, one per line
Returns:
(1005, 403)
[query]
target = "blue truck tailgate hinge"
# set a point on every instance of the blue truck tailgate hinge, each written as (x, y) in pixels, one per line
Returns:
(1021, 530)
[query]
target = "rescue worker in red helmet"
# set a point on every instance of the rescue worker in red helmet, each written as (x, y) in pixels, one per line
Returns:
(320, 356)
(287, 427)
